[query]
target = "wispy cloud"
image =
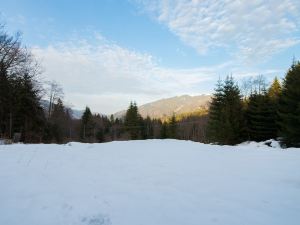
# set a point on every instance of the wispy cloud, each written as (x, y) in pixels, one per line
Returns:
(105, 69)
(249, 30)
(107, 76)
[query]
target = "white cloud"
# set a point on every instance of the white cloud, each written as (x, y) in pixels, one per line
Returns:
(107, 77)
(248, 29)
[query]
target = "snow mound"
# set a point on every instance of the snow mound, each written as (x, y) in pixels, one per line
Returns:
(269, 143)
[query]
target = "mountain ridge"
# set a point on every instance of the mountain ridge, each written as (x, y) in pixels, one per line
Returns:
(166, 107)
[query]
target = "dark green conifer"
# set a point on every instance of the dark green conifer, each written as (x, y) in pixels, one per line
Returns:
(172, 127)
(164, 131)
(87, 131)
(261, 117)
(289, 107)
(215, 114)
(133, 122)
(148, 131)
(226, 120)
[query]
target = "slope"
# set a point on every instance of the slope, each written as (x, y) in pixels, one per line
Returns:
(166, 107)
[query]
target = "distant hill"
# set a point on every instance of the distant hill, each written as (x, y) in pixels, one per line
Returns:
(76, 114)
(166, 107)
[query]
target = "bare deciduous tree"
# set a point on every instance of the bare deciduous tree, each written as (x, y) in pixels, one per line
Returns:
(55, 92)
(259, 83)
(247, 87)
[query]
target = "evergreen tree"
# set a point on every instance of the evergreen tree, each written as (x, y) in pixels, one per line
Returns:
(148, 132)
(133, 122)
(274, 90)
(164, 131)
(274, 93)
(5, 110)
(226, 122)
(215, 114)
(234, 127)
(58, 126)
(112, 119)
(87, 131)
(289, 107)
(172, 127)
(58, 120)
(28, 115)
(20, 110)
(100, 135)
(261, 117)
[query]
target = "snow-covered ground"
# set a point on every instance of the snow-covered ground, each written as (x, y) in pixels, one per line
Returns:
(158, 182)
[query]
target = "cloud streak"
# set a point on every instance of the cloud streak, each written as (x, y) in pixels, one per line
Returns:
(106, 76)
(105, 70)
(247, 29)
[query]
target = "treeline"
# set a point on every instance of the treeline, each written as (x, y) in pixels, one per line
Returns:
(132, 126)
(266, 113)
(263, 112)
(259, 114)
(26, 117)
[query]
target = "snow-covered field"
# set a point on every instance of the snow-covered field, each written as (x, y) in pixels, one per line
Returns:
(158, 182)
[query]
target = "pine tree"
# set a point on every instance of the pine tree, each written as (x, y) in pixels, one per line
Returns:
(5, 110)
(215, 114)
(172, 127)
(133, 122)
(112, 119)
(28, 115)
(234, 127)
(148, 132)
(58, 120)
(226, 122)
(87, 126)
(289, 107)
(164, 131)
(274, 90)
(261, 117)
(20, 110)
(58, 126)
(274, 93)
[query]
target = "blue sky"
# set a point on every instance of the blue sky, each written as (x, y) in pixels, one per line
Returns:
(109, 52)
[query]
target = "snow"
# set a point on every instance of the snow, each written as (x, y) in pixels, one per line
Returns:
(155, 182)
(271, 143)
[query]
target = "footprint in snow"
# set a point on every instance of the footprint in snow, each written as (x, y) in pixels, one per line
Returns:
(96, 220)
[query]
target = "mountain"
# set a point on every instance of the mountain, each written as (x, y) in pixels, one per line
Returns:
(166, 107)
(76, 113)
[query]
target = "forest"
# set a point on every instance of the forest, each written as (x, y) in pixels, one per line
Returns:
(253, 111)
